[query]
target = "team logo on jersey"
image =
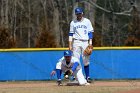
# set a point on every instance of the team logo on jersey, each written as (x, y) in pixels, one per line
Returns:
(81, 26)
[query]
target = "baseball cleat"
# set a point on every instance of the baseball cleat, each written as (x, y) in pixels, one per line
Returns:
(87, 84)
(59, 83)
(89, 80)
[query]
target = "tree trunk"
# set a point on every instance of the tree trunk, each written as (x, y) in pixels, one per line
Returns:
(14, 20)
(4, 13)
(56, 27)
(29, 24)
(75, 4)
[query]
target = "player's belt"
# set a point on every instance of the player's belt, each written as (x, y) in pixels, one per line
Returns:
(80, 39)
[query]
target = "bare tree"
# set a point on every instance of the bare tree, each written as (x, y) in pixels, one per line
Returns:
(110, 18)
(4, 13)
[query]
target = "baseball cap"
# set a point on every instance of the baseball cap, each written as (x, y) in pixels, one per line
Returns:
(67, 53)
(78, 10)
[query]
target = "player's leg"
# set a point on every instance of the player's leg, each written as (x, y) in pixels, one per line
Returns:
(86, 68)
(76, 49)
(86, 62)
(80, 77)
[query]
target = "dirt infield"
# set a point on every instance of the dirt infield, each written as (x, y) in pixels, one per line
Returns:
(51, 87)
(132, 91)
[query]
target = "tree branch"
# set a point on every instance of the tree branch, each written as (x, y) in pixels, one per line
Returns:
(125, 13)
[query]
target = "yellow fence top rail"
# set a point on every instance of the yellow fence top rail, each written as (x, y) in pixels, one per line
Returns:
(60, 49)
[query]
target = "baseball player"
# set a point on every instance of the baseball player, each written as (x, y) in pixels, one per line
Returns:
(68, 62)
(80, 36)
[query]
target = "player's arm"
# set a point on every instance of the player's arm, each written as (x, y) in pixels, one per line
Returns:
(71, 35)
(70, 40)
(75, 65)
(90, 32)
(71, 71)
(58, 70)
(90, 35)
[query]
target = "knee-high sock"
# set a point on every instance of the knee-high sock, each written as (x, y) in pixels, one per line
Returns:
(86, 68)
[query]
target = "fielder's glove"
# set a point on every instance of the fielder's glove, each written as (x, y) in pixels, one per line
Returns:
(88, 50)
(68, 73)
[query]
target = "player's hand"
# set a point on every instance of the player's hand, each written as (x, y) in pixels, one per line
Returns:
(88, 50)
(91, 46)
(53, 73)
(70, 48)
(68, 72)
(71, 72)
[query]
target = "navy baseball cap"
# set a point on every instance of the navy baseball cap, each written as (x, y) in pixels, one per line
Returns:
(67, 53)
(78, 10)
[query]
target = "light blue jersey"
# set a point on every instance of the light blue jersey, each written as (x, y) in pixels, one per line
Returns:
(64, 67)
(80, 29)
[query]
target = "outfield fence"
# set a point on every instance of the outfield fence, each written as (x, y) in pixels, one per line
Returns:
(37, 63)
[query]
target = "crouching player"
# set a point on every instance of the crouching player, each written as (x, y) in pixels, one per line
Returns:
(68, 62)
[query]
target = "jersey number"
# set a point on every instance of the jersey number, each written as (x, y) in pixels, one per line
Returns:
(85, 31)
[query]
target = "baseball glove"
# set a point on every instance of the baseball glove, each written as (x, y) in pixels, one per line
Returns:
(68, 73)
(88, 50)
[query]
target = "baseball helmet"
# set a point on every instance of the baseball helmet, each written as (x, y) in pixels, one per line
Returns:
(67, 53)
(78, 10)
